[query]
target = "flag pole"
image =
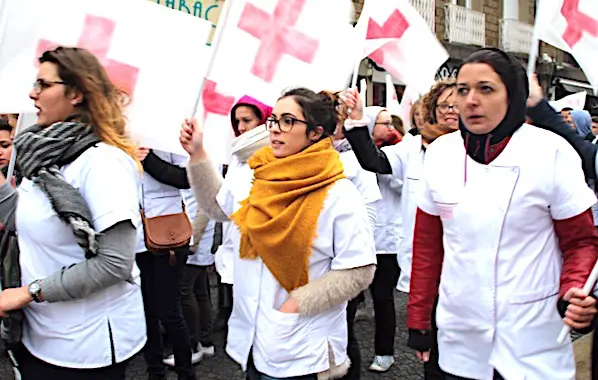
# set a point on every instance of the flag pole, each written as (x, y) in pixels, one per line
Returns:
(533, 55)
(215, 43)
(587, 289)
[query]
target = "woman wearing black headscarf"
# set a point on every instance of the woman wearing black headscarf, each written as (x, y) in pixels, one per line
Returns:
(503, 230)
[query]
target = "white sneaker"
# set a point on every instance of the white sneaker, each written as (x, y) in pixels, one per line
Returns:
(196, 357)
(382, 363)
(206, 350)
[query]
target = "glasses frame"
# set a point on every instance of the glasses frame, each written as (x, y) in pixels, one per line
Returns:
(448, 107)
(40, 85)
(271, 121)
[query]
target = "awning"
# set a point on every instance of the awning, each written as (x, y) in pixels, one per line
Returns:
(574, 86)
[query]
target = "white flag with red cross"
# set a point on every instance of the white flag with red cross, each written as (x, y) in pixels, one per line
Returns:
(572, 26)
(122, 35)
(410, 96)
(392, 100)
(266, 46)
(575, 101)
(398, 39)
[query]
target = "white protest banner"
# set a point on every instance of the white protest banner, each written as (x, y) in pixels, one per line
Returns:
(144, 63)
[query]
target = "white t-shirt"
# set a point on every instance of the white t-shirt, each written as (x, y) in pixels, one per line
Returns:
(76, 334)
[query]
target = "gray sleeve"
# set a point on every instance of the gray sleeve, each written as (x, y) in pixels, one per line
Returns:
(113, 264)
(8, 201)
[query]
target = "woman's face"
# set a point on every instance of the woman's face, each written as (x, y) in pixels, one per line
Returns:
(246, 118)
(481, 98)
(570, 121)
(290, 135)
(446, 110)
(382, 127)
(5, 148)
(417, 115)
(51, 98)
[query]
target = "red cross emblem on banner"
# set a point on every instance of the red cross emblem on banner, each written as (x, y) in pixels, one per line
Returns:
(96, 37)
(577, 23)
(394, 27)
(277, 36)
(214, 102)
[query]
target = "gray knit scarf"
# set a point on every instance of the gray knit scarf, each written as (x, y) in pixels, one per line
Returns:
(41, 153)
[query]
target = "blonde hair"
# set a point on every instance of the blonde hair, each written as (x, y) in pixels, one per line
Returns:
(414, 108)
(103, 103)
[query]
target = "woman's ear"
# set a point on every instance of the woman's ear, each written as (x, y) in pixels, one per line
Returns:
(76, 97)
(316, 135)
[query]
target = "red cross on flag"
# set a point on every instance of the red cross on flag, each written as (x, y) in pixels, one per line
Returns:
(398, 39)
(572, 26)
(266, 46)
(162, 72)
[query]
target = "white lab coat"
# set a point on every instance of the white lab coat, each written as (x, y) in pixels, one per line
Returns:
(365, 182)
(235, 188)
(502, 263)
(87, 332)
(406, 160)
(389, 220)
(287, 345)
(203, 255)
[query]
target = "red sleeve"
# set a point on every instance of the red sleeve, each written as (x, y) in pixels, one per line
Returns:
(428, 254)
(578, 240)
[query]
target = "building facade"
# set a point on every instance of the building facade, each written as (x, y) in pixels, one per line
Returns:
(462, 26)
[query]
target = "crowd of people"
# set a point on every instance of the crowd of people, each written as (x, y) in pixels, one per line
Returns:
(484, 212)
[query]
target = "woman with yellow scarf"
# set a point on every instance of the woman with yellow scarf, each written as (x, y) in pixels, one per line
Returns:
(304, 241)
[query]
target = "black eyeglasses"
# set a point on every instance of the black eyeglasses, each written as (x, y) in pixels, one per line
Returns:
(41, 84)
(285, 123)
(387, 124)
(445, 107)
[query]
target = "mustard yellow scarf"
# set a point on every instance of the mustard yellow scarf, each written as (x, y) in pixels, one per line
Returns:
(279, 220)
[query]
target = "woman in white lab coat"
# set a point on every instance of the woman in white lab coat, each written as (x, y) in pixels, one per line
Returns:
(367, 185)
(503, 231)
(404, 163)
(305, 244)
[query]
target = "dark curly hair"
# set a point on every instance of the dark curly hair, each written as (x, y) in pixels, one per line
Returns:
(430, 100)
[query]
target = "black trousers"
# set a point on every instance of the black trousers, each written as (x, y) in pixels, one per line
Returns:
(161, 290)
(352, 343)
(32, 368)
(254, 374)
(197, 307)
(432, 369)
(382, 289)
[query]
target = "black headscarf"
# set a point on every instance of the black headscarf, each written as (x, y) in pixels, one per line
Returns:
(515, 79)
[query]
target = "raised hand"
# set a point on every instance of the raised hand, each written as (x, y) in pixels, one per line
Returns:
(191, 139)
(354, 104)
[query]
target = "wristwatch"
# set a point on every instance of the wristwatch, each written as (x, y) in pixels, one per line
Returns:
(35, 291)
